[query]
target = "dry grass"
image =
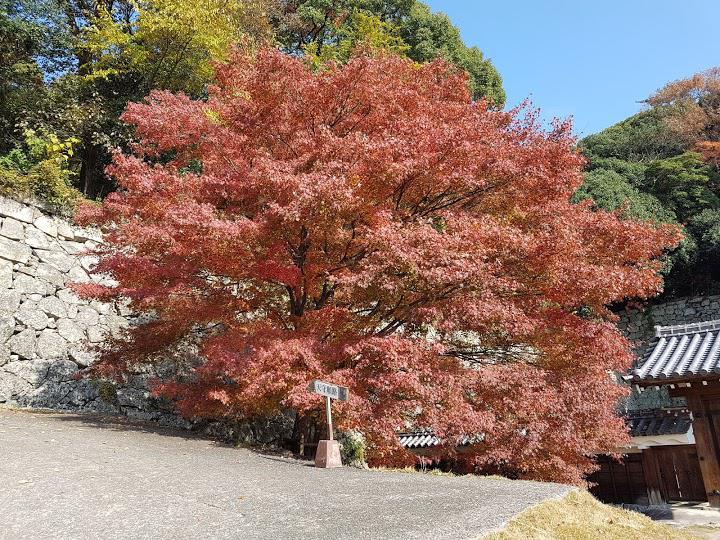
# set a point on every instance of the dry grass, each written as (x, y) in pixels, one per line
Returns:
(579, 516)
(706, 532)
(412, 470)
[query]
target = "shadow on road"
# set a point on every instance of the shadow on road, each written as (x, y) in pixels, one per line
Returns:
(282, 458)
(121, 423)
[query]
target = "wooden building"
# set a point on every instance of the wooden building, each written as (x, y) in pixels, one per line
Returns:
(675, 452)
(659, 466)
(686, 359)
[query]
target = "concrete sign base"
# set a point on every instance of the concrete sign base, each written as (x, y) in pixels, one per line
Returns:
(328, 455)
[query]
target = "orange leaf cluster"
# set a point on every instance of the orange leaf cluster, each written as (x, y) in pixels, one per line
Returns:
(372, 226)
(694, 105)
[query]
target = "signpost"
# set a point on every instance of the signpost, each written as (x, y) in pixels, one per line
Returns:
(328, 450)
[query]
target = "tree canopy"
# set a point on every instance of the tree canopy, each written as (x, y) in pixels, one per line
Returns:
(70, 67)
(662, 164)
(371, 225)
(21, 77)
(406, 26)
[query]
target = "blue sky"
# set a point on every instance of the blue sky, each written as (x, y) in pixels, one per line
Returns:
(593, 60)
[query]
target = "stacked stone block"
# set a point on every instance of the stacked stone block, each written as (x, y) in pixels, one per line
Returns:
(639, 324)
(46, 330)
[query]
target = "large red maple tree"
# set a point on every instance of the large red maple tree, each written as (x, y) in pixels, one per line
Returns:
(372, 226)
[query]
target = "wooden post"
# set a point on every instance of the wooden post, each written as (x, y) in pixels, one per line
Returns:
(655, 489)
(707, 444)
(328, 412)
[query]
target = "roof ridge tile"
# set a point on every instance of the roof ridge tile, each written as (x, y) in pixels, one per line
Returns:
(688, 328)
(681, 351)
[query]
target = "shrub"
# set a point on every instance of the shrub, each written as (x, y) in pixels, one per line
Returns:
(40, 170)
(352, 448)
(107, 392)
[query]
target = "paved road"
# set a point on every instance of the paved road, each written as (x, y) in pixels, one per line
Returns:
(70, 476)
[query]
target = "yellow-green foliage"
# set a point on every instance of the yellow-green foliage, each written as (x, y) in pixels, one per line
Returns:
(352, 448)
(364, 30)
(172, 43)
(40, 170)
(579, 516)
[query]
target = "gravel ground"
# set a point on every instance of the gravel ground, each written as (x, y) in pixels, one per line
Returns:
(72, 476)
(697, 518)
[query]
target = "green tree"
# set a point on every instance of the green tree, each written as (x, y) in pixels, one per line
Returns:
(432, 35)
(125, 50)
(301, 25)
(684, 184)
(168, 44)
(21, 78)
(315, 27)
(361, 29)
(633, 172)
(95, 56)
(705, 227)
(39, 169)
(643, 137)
(609, 190)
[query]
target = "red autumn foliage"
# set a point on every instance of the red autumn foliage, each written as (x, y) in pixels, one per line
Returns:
(371, 226)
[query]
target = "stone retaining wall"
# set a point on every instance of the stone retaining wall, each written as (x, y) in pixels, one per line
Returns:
(639, 325)
(47, 333)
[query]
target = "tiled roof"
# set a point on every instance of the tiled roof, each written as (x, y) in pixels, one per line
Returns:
(645, 423)
(427, 439)
(679, 352)
(658, 422)
(421, 439)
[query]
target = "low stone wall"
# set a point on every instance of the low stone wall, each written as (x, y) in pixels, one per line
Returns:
(639, 325)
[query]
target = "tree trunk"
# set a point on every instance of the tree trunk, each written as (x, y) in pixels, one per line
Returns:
(92, 181)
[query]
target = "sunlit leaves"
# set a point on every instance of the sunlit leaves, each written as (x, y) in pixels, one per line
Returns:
(370, 225)
(172, 44)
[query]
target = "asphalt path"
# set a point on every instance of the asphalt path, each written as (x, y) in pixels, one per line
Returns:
(74, 477)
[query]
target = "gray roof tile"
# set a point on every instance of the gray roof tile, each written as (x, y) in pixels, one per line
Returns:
(643, 423)
(658, 422)
(427, 439)
(683, 351)
(423, 439)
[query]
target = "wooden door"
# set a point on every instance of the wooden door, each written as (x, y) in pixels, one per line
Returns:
(620, 481)
(706, 427)
(679, 471)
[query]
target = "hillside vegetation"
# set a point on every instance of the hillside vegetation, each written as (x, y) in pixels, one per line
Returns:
(68, 69)
(662, 164)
